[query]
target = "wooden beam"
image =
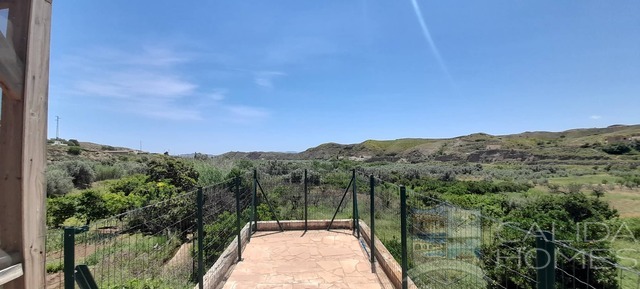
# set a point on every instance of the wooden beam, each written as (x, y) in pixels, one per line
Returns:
(23, 143)
(11, 142)
(11, 70)
(34, 153)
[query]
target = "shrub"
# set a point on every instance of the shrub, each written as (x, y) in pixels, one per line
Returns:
(562, 214)
(175, 172)
(598, 191)
(631, 181)
(553, 188)
(220, 233)
(107, 148)
(172, 213)
(74, 150)
(200, 156)
(617, 149)
(74, 142)
(59, 182)
(61, 208)
(118, 203)
(55, 267)
(127, 185)
(103, 172)
(131, 168)
(91, 206)
(208, 174)
(81, 173)
(574, 188)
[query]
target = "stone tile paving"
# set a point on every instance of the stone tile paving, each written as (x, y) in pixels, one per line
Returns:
(315, 259)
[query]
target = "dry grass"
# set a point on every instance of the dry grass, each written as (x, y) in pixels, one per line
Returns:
(625, 200)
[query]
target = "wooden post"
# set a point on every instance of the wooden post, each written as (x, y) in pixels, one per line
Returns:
(23, 138)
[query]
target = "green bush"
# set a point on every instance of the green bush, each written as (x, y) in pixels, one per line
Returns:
(55, 267)
(103, 172)
(208, 174)
(574, 188)
(107, 148)
(127, 185)
(73, 142)
(175, 172)
(61, 208)
(561, 214)
(81, 173)
(131, 168)
(91, 206)
(630, 181)
(617, 149)
(74, 150)
(598, 191)
(220, 233)
(59, 182)
(172, 213)
(118, 203)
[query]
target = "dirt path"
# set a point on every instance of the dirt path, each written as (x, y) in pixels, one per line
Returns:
(55, 280)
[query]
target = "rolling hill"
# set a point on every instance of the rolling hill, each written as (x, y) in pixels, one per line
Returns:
(539, 146)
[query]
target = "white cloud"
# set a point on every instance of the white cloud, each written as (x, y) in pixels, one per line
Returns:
(596, 117)
(148, 83)
(265, 78)
(154, 83)
(173, 114)
(246, 114)
(136, 84)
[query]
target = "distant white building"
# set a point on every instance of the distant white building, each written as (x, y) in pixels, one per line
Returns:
(59, 143)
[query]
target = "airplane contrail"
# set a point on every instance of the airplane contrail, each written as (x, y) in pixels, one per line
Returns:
(432, 44)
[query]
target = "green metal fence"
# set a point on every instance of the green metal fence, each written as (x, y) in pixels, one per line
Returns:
(167, 244)
(453, 247)
(304, 195)
(173, 243)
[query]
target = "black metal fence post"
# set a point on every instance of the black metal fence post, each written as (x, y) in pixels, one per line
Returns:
(200, 224)
(372, 237)
(356, 225)
(238, 228)
(545, 260)
(403, 235)
(306, 217)
(253, 223)
(69, 257)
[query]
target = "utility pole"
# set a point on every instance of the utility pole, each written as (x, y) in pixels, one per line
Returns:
(57, 127)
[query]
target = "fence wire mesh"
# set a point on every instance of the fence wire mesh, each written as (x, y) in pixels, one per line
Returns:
(155, 245)
(286, 194)
(448, 246)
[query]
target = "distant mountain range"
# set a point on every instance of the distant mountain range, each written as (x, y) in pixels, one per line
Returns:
(576, 145)
(571, 145)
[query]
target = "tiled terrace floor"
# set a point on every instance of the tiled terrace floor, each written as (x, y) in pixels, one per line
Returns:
(315, 259)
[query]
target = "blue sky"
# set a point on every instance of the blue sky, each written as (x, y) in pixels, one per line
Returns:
(286, 75)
